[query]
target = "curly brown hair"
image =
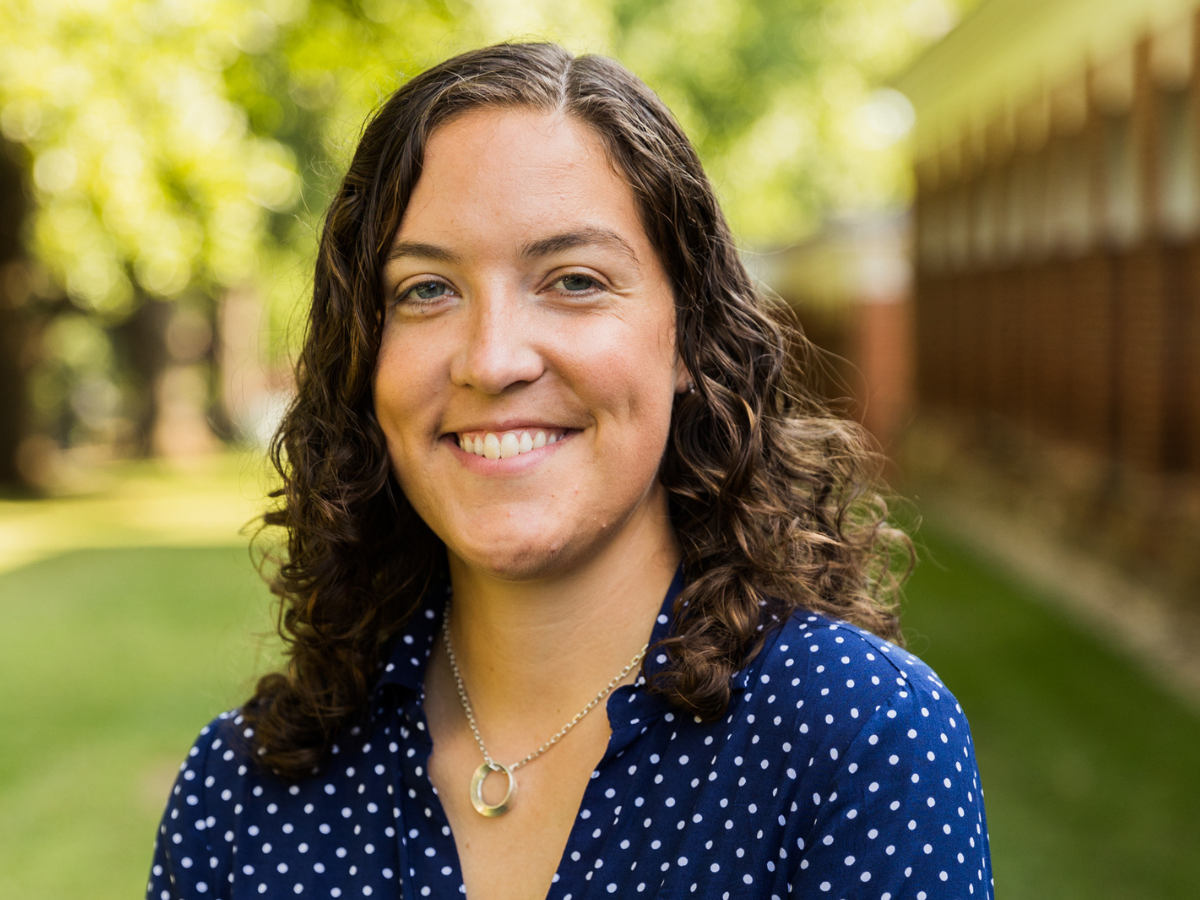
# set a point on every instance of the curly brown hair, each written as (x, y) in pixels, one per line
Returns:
(772, 497)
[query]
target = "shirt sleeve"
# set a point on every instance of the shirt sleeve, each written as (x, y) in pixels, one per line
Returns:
(904, 816)
(192, 850)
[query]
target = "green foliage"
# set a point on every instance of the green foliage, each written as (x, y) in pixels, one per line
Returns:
(149, 178)
(771, 100)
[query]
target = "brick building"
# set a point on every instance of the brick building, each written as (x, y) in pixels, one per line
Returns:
(1057, 261)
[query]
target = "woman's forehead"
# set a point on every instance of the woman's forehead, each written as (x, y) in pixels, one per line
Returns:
(519, 175)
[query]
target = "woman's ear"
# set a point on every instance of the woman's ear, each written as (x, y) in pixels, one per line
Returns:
(684, 383)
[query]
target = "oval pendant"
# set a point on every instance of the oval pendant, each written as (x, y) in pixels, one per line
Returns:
(491, 810)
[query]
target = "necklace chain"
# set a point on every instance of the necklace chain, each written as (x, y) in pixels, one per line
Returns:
(466, 703)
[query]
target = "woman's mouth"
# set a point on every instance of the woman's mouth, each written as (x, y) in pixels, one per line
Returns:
(506, 444)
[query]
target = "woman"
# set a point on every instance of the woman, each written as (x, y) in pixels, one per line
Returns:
(547, 456)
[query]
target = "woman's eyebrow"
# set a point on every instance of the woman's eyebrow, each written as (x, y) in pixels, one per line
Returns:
(418, 250)
(547, 246)
(571, 239)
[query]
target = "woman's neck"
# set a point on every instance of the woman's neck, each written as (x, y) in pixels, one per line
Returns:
(532, 653)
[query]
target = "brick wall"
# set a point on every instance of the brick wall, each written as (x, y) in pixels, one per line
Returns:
(1097, 345)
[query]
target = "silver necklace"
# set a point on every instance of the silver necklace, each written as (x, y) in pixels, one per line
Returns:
(489, 765)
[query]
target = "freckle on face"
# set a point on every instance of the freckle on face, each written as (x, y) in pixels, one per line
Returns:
(507, 348)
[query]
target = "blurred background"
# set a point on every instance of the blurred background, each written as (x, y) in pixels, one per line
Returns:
(986, 211)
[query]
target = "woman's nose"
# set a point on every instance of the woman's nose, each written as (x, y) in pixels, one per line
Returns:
(499, 344)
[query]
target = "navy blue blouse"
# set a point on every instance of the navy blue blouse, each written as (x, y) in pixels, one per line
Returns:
(844, 768)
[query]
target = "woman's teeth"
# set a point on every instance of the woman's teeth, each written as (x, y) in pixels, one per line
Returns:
(490, 445)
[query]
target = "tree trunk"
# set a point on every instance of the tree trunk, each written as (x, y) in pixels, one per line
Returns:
(14, 325)
(140, 343)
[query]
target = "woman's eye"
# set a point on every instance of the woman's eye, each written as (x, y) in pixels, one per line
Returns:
(577, 284)
(426, 292)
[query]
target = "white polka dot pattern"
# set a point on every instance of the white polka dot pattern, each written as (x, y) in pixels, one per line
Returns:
(844, 768)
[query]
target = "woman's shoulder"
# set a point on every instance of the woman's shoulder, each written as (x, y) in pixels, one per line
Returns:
(879, 758)
(322, 830)
(819, 645)
(833, 678)
(222, 748)
(201, 804)
(213, 779)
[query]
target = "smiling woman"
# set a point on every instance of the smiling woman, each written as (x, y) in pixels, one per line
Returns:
(549, 451)
(525, 298)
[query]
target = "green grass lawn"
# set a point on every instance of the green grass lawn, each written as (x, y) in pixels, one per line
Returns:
(111, 660)
(1091, 773)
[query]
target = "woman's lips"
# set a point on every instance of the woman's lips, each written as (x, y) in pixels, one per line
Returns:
(506, 444)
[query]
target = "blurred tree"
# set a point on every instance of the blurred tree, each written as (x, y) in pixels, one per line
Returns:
(177, 150)
(13, 292)
(149, 185)
(778, 96)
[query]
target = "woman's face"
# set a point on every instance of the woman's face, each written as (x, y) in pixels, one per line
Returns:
(527, 368)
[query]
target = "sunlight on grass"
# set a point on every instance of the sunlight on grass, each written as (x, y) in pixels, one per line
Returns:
(139, 504)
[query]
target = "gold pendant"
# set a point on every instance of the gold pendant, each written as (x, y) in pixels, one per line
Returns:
(491, 810)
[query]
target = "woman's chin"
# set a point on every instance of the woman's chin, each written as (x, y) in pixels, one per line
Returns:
(515, 558)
